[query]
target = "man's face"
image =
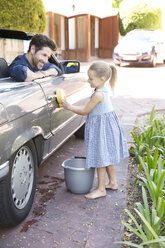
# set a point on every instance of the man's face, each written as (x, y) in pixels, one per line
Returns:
(40, 57)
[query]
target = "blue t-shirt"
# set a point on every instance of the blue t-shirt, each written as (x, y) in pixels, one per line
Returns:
(18, 68)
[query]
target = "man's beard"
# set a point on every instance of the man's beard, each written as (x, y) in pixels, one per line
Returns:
(38, 63)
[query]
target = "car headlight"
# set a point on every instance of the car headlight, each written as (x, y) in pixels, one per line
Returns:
(146, 57)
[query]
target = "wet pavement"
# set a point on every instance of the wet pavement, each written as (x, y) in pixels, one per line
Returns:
(61, 219)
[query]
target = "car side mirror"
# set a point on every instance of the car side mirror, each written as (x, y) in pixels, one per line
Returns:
(70, 66)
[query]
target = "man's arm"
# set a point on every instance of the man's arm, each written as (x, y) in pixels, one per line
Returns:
(50, 72)
(20, 71)
(23, 73)
(50, 69)
(33, 75)
(40, 74)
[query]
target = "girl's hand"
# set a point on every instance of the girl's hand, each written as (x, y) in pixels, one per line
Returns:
(84, 110)
(66, 105)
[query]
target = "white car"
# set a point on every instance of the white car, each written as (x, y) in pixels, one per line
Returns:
(140, 46)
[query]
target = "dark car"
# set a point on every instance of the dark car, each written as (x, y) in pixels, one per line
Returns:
(33, 126)
(141, 46)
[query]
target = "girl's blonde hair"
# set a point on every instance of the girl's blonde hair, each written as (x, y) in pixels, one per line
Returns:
(108, 71)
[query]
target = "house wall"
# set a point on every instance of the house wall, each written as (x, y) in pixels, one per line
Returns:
(100, 8)
(82, 36)
(9, 49)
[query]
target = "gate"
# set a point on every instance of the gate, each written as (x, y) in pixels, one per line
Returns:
(108, 35)
(78, 41)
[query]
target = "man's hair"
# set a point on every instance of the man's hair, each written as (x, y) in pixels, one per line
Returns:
(40, 41)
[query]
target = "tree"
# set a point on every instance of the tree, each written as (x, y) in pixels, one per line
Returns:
(140, 14)
(24, 15)
(116, 3)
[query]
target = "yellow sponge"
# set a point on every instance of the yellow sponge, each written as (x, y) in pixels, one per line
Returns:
(60, 94)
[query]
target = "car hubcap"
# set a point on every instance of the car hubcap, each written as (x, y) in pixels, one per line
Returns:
(22, 177)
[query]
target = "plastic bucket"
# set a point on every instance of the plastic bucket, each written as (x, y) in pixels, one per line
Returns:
(78, 179)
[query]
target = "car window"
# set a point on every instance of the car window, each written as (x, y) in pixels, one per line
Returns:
(141, 36)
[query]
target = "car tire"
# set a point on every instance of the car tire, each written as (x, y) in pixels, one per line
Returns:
(80, 132)
(17, 189)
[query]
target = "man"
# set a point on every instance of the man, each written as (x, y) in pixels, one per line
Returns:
(34, 64)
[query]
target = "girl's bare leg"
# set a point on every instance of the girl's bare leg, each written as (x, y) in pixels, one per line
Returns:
(100, 191)
(112, 178)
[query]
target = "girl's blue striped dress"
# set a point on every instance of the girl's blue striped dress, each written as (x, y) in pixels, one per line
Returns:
(104, 137)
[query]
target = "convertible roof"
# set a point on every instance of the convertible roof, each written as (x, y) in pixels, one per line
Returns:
(15, 34)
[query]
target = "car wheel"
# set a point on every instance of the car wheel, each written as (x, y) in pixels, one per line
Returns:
(80, 132)
(18, 188)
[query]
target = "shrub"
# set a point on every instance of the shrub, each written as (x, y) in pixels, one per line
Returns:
(139, 14)
(116, 3)
(28, 16)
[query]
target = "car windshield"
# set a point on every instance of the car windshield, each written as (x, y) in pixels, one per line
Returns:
(141, 36)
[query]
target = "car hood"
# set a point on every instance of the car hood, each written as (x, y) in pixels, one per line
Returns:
(133, 47)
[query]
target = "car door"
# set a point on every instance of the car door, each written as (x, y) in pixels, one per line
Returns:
(24, 115)
(63, 122)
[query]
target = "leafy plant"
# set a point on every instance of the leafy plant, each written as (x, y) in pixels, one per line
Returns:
(154, 181)
(151, 229)
(140, 14)
(151, 136)
(149, 150)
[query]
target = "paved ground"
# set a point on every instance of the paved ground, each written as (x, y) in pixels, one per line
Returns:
(65, 220)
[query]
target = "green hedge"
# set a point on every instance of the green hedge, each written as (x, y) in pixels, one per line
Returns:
(139, 14)
(25, 15)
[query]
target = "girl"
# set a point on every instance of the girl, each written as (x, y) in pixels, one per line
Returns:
(104, 137)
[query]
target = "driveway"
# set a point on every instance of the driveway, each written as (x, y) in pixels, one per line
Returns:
(65, 220)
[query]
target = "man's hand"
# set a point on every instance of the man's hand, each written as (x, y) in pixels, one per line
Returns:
(50, 72)
(33, 75)
(40, 74)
